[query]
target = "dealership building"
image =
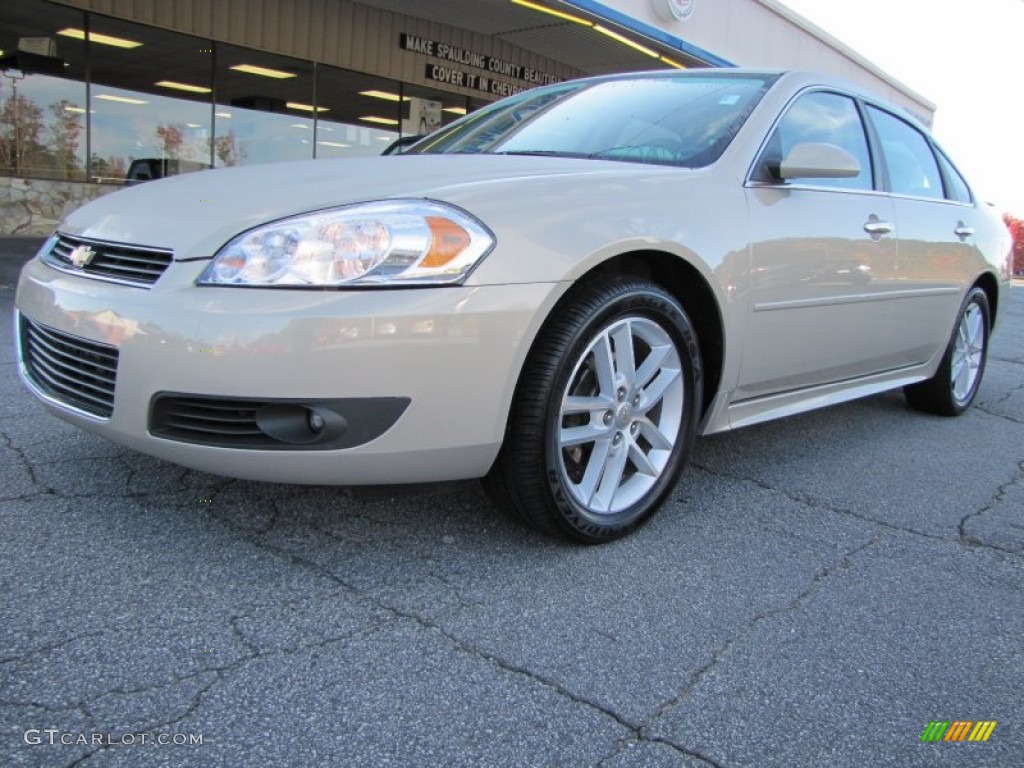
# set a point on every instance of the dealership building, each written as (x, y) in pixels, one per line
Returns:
(95, 94)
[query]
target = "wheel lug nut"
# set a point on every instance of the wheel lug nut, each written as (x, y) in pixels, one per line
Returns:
(617, 439)
(633, 428)
(608, 417)
(621, 393)
(636, 400)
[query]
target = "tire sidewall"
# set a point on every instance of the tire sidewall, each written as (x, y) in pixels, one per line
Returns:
(640, 301)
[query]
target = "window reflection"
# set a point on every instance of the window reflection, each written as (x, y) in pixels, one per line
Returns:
(362, 114)
(142, 136)
(265, 108)
(150, 102)
(425, 110)
(42, 116)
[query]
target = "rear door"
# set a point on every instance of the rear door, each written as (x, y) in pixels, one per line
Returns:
(935, 219)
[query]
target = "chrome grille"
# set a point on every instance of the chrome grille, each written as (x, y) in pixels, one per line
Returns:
(130, 264)
(74, 371)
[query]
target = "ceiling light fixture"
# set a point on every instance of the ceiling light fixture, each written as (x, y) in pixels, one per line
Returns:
(305, 107)
(96, 37)
(121, 99)
(455, 110)
(332, 144)
(252, 69)
(553, 12)
(184, 86)
(626, 41)
(225, 115)
(603, 30)
(380, 120)
(384, 95)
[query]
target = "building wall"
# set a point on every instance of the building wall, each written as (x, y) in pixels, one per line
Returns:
(36, 206)
(763, 33)
(336, 32)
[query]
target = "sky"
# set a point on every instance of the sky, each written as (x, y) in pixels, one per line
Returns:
(965, 57)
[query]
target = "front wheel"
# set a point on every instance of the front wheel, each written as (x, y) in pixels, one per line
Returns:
(605, 413)
(953, 387)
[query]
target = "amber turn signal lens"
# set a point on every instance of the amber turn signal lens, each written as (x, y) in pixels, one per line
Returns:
(447, 241)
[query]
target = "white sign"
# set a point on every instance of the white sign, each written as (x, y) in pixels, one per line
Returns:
(674, 10)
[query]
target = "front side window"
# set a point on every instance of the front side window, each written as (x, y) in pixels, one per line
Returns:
(683, 120)
(908, 156)
(821, 117)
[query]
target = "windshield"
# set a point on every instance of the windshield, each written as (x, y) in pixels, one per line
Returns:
(683, 120)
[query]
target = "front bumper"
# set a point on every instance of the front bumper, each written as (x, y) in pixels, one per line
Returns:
(454, 353)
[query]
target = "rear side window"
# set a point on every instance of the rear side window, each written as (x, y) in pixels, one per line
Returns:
(956, 188)
(908, 156)
(829, 118)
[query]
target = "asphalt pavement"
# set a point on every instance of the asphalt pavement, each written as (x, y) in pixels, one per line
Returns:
(816, 592)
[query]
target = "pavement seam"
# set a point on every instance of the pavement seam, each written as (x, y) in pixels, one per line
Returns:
(218, 672)
(435, 627)
(841, 563)
(997, 498)
(817, 504)
(44, 490)
(1012, 419)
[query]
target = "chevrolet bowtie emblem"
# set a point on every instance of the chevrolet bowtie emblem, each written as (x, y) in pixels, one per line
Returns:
(81, 255)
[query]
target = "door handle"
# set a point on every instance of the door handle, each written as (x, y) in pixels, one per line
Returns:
(876, 227)
(963, 231)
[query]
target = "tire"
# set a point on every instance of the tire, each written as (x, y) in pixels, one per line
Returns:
(953, 387)
(597, 438)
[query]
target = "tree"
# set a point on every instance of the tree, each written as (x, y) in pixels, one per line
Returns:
(172, 136)
(21, 128)
(107, 168)
(65, 130)
(1016, 227)
(229, 150)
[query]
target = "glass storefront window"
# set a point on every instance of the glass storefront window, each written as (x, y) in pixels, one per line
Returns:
(150, 102)
(265, 110)
(361, 115)
(160, 103)
(425, 110)
(42, 112)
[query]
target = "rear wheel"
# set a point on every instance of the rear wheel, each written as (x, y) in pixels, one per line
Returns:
(604, 415)
(953, 387)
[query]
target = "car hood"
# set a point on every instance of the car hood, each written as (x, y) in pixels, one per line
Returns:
(195, 214)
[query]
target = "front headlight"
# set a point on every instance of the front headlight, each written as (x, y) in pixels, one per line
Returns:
(390, 243)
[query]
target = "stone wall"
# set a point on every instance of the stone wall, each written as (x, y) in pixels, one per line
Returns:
(36, 206)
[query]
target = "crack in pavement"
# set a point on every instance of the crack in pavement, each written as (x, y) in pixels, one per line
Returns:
(636, 732)
(841, 563)
(219, 672)
(27, 465)
(623, 744)
(817, 504)
(997, 498)
(984, 409)
(47, 648)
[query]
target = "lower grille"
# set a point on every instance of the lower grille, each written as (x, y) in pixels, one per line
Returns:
(214, 421)
(72, 370)
(282, 424)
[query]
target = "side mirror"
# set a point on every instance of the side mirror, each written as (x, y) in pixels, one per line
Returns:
(813, 160)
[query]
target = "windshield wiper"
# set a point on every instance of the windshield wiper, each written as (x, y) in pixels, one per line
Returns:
(542, 153)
